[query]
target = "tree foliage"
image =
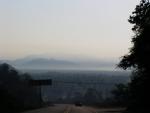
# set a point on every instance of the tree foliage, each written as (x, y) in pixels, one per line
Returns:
(15, 92)
(138, 57)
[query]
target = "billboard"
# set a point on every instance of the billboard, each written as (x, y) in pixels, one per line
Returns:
(41, 82)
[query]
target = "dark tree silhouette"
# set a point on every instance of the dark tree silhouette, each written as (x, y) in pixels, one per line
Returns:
(15, 92)
(138, 59)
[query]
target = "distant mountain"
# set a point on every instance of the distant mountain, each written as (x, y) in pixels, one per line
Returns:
(45, 63)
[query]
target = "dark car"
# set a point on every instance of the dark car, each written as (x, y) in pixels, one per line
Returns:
(78, 104)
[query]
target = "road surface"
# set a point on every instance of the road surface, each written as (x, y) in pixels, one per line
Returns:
(65, 108)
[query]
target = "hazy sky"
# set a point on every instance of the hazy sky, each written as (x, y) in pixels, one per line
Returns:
(65, 28)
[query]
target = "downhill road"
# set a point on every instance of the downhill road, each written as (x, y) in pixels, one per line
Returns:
(66, 108)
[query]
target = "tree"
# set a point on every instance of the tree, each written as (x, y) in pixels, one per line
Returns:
(15, 92)
(138, 58)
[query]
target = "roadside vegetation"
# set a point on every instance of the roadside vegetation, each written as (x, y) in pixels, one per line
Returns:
(138, 60)
(16, 94)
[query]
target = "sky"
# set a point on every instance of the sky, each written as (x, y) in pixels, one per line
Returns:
(72, 29)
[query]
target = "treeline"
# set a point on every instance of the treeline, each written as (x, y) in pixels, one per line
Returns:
(16, 94)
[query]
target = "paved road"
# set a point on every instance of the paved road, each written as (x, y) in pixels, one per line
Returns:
(64, 108)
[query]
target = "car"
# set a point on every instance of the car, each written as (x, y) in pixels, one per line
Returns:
(78, 104)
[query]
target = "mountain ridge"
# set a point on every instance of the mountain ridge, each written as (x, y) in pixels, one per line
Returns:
(51, 63)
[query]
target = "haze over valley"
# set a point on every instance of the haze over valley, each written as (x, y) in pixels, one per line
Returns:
(43, 63)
